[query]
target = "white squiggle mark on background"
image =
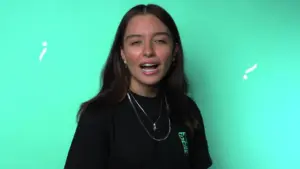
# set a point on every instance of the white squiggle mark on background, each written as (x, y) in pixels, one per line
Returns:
(245, 77)
(43, 51)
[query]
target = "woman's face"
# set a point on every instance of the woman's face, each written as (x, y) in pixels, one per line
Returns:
(147, 50)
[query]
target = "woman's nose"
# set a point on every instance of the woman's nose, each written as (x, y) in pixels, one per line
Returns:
(148, 50)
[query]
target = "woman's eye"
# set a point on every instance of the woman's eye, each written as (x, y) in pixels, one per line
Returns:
(135, 42)
(161, 41)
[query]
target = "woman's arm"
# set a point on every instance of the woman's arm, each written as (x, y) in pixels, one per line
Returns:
(200, 156)
(90, 145)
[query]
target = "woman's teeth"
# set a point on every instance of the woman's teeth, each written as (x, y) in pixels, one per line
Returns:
(149, 66)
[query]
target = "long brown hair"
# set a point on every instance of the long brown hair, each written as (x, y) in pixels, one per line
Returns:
(115, 76)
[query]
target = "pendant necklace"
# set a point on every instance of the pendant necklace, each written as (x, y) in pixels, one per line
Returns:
(154, 127)
(154, 124)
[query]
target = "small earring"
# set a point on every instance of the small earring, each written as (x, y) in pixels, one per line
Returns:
(173, 62)
(125, 63)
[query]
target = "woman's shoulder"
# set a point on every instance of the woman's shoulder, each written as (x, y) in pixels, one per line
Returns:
(195, 110)
(192, 104)
(96, 114)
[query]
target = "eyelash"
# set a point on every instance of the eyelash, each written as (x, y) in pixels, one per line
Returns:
(136, 42)
(159, 41)
(162, 41)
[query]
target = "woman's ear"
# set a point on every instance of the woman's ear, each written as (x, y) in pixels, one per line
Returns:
(123, 55)
(176, 49)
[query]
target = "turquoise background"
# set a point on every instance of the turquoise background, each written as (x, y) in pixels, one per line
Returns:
(251, 124)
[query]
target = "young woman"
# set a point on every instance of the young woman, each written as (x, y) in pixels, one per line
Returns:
(142, 117)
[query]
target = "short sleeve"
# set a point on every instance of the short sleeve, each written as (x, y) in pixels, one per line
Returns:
(200, 156)
(90, 145)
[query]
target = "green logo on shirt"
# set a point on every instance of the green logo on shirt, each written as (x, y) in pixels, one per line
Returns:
(184, 141)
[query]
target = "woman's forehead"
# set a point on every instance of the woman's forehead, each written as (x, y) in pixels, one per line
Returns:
(146, 25)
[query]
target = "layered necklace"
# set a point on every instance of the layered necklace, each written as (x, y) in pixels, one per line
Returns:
(154, 123)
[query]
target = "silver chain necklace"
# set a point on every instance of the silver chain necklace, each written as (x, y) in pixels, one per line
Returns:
(153, 122)
(154, 125)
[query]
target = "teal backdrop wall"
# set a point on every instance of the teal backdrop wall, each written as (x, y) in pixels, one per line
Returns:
(242, 59)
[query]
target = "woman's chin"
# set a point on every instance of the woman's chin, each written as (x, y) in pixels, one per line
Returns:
(150, 81)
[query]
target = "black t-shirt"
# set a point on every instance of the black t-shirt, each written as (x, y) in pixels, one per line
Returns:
(114, 138)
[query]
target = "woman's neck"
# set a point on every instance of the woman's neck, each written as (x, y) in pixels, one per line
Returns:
(143, 90)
